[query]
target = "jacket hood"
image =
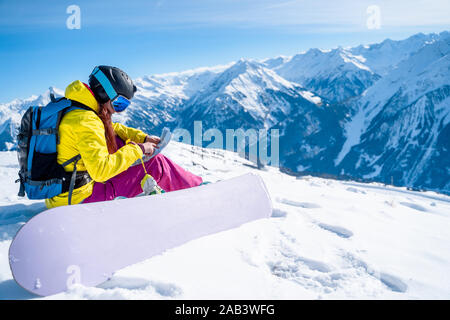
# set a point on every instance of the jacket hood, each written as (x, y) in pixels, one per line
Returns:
(80, 92)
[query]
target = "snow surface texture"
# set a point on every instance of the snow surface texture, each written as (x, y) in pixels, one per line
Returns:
(326, 239)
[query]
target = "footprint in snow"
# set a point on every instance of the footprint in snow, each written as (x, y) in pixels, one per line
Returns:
(278, 213)
(339, 231)
(414, 206)
(313, 184)
(351, 189)
(314, 264)
(293, 267)
(306, 205)
(125, 283)
(393, 283)
(163, 289)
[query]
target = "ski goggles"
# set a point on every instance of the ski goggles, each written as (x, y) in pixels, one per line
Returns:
(120, 103)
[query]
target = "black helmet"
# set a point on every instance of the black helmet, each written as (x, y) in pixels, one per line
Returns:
(109, 82)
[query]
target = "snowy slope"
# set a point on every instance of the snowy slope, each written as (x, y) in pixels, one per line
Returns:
(402, 124)
(161, 97)
(336, 75)
(245, 95)
(385, 56)
(343, 73)
(326, 239)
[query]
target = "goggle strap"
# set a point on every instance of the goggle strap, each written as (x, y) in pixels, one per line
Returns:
(100, 76)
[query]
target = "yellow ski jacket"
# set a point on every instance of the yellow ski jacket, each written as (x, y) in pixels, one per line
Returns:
(82, 132)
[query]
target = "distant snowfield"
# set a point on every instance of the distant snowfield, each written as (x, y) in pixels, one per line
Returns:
(326, 239)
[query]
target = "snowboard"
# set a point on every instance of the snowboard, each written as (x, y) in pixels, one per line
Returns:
(87, 243)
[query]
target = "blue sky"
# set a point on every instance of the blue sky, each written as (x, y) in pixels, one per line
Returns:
(37, 50)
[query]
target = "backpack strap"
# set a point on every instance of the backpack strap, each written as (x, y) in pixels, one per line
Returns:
(80, 105)
(44, 132)
(61, 114)
(22, 185)
(74, 174)
(77, 157)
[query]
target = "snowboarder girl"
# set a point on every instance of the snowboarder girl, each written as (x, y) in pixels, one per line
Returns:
(107, 149)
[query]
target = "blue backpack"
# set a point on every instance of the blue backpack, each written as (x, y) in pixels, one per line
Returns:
(40, 175)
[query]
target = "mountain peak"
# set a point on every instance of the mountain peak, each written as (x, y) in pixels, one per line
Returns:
(245, 64)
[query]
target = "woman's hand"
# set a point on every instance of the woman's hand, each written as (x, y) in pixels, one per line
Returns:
(152, 139)
(149, 148)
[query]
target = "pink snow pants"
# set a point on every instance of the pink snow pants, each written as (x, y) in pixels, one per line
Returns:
(167, 174)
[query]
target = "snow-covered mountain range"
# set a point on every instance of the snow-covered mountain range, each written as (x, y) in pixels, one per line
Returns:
(376, 112)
